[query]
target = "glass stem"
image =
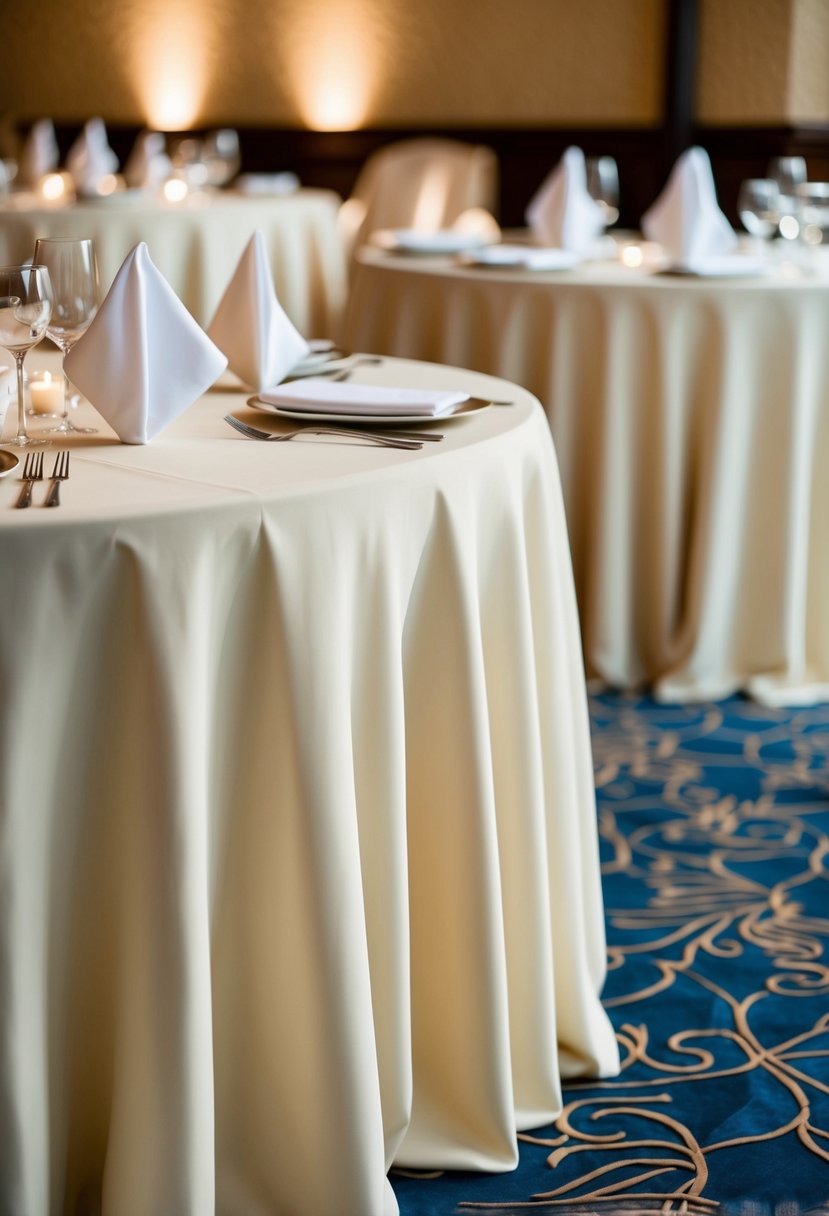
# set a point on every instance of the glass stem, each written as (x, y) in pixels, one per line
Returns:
(22, 433)
(67, 397)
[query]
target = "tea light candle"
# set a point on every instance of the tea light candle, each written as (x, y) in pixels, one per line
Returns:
(46, 393)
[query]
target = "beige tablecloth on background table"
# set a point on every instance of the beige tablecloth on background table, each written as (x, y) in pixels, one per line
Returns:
(298, 856)
(691, 422)
(197, 244)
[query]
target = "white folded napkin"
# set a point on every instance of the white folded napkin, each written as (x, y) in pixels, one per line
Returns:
(148, 165)
(144, 359)
(90, 158)
(39, 154)
(251, 326)
(323, 397)
(685, 218)
(561, 212)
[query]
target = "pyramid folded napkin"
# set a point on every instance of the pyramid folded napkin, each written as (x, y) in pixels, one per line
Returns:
(148, 165)
(90, 158)
(685, 218)
(39, 154)
(561, 212)
(144, 359)
(323, 397)
(250, 325)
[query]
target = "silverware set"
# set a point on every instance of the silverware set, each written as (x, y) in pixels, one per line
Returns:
(411, 441)
(33, 471)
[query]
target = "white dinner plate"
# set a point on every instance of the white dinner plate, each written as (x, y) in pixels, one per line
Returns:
(472, 405)
(521, 257)
(444, 241)
(734, 266)
(8, 462)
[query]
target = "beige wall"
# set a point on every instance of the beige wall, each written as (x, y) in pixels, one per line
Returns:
(399, 63)
(763, 62)
(336, 62)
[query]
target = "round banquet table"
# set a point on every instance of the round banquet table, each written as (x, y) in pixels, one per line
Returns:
(691, 423)
(298, 853)
(197, 244)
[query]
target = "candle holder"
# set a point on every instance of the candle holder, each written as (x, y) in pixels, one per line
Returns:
(46, 394)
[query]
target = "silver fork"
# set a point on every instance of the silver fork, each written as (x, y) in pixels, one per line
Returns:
(59, 473)
(32, 472)
(384, 441)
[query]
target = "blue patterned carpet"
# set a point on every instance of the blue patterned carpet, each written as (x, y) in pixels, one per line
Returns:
(714, 824)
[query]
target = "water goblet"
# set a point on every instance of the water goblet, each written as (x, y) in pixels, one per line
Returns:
(603, 186)
(74, 275)
(789, 172)
(25, 309)
(222, 156)
(759, 208)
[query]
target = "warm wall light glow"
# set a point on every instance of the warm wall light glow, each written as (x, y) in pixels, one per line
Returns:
(333, 63)
(170, 64)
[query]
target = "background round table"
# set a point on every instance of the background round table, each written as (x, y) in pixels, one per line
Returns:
(691, 422)
(196, 244)
(298, 853)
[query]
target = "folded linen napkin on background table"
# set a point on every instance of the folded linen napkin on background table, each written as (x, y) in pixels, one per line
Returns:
(90, 158)
(144, 359)
(561, 212)
(39, 154)
(148, 165)
(686, 219)
(250, 325)
(322, 397)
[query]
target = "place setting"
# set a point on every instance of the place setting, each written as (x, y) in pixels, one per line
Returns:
(265, 351)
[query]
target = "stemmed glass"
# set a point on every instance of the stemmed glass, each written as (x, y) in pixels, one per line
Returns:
(74, 275)
(221, 155)
(25, 309)
(603, 186)
(759, 207)
(789, 172)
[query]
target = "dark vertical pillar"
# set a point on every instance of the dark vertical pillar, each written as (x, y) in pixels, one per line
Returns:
(680, 76)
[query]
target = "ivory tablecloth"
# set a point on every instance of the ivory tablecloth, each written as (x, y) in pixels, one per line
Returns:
(298, 860)
(197, 244)
(691, 423)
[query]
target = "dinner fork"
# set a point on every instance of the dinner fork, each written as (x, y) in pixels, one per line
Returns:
(32, 472)
(385, 441)
(59, 473)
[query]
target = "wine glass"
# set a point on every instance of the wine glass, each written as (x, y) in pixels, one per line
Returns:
(759, 208)
(221, 155)
(603, 186)
(25, 309)
(789, 172)
(74, 275)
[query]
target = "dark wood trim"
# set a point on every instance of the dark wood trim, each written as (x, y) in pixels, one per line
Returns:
(680, 68)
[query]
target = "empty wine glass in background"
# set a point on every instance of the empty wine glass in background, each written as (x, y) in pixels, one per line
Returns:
(603, 186)
(789, 172)
(813, 213)
(221, 155)
(758, 206)
(25, 309)
(73, 272)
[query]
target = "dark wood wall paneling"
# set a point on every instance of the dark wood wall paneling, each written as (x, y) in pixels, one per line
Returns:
(332, 159)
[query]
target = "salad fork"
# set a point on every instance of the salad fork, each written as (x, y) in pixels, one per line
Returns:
(59, 473)
(32, 472)
(384, 441)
